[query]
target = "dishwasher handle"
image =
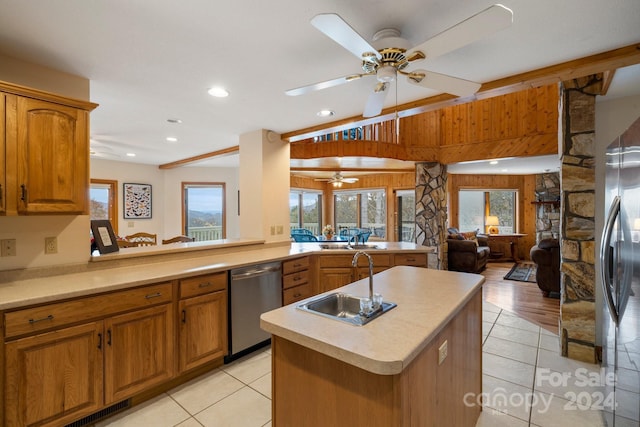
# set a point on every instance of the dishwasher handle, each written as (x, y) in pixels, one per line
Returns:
(255, 273)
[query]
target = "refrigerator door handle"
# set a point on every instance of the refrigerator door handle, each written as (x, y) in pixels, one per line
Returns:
(605, 253)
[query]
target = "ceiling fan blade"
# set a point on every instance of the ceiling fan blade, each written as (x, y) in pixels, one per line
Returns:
(474, 28)
(349, 180)
(323, 85)
(442, 82)
(376, 100)
(334, 27)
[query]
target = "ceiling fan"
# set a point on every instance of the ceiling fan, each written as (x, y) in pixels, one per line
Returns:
(389, 54)
(337, 179)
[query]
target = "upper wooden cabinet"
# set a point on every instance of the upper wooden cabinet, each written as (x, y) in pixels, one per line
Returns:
(46, 152)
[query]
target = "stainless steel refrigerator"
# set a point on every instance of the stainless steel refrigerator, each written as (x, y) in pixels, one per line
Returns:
(620, 275)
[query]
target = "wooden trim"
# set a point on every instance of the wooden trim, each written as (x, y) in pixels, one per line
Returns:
(189, 160)
(610, 60)
(113, 200)
(46, 96)
(607, 78)
(340, 169)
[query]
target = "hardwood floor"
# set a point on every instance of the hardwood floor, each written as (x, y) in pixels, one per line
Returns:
(522, 298)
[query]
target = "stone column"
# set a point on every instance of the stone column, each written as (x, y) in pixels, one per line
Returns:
(577, 232)
(431, 210)
(547, 213)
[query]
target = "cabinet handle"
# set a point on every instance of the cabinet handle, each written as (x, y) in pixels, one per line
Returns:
(49, 317)
(156, 295)
(23, 195)
(0, 193)
(297, 265)
(99, 341)
(184, 316)
(109, 337)
(297, 295)
(295, 279)
(411, 259)
(204, 284)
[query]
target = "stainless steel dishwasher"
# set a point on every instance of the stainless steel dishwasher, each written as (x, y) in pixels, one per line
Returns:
(253, 290)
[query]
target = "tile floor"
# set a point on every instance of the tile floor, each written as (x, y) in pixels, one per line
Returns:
(522, 386)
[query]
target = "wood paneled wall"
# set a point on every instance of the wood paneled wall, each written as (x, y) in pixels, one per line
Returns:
(524, 184)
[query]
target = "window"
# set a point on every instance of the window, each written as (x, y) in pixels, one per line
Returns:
(361, 209)
(476, 205)
(103, 196)
(406, 208)
(305, 210)
(203, 210)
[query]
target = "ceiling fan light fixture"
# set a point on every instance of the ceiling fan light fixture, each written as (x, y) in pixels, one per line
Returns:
(386, 74)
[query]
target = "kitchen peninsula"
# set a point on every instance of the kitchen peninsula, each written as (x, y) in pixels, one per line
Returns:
(412, 366)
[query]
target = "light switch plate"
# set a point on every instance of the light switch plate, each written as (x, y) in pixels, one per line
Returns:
(8, 247)
(50, 245)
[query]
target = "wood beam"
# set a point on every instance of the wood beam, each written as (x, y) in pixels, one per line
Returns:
(598, 63)
(200, 157)
(343, 169)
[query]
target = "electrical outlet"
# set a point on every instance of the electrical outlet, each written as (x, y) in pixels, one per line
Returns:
(280, 229)
(8, 247)
(130, 224)
(273, 230)
(50, 245)
(442, 353)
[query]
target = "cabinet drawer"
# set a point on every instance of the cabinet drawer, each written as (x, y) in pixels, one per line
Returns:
(419, 260)
(294, 265)
(296, 293)
(31, 320)
(295, 279)
(203, 284)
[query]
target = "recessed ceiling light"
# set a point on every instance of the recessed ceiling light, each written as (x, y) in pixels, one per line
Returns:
(178, 121)
(218, 92)
(172, 139)
(325, 113)
(131, 154)
(505, 170)
(493, 162)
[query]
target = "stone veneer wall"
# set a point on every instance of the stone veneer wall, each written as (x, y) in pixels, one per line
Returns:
(548, 214)
(577, 232)
(431, 210)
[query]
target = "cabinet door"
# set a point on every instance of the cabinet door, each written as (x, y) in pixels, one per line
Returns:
(332, 278)
(3, 182)
(53, 156)
(138, 351)
(203, 329)
(54, 378)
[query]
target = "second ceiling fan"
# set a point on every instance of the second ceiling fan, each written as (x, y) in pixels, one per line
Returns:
(389, 54)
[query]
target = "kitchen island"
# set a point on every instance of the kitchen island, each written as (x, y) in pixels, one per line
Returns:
(415, 365)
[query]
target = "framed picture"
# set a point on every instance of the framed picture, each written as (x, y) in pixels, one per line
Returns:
(137, 201)
(104, 236)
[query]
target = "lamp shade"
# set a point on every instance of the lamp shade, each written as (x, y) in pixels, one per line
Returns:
(492, 223)
(636, 224)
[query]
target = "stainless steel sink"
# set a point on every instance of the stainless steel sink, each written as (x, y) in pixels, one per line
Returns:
(360, 247)
(343, 307)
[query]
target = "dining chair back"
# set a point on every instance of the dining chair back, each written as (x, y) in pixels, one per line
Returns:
(304, 238)
(179, 239)
(142, 239)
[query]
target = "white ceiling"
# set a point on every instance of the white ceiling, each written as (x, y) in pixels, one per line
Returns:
(149, 61)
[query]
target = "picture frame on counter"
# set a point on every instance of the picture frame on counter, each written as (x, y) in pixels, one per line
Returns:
(103, 236)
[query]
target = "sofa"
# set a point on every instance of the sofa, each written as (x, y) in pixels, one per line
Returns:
(467, 251)
(546, 255)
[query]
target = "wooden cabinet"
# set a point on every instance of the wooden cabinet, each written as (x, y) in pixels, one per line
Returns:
(138, 351)
(296, 283)
(337, 270)
(46, 152)
(67, 360)
(203, 320)
(54, 378)
(412, 259)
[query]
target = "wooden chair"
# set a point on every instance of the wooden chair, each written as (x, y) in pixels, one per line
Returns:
(179, 239)
(126, 244)
(142, 239)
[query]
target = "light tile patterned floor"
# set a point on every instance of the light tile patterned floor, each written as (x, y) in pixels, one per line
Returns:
(520, 364)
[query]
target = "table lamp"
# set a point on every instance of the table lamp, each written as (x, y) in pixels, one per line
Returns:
(492, 223)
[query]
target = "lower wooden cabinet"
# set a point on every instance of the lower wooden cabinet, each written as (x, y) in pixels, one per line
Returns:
(54, 378)
(138, 351)
(203, 329)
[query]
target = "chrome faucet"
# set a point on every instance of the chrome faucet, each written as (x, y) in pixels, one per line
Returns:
(355, 264)
(355, 239)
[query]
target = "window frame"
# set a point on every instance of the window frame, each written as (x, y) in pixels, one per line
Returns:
(300, 192)
(487, 206)
(185, 184)
(359, 193)
(112, 208)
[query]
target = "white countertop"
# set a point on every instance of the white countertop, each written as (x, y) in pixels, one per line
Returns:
(427, 300)
(21, 293)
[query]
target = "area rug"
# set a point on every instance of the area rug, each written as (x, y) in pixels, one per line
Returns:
(522, 272)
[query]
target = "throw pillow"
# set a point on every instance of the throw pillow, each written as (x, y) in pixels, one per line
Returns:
(470, 235)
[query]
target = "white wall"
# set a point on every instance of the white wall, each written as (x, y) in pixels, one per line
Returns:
(166, 200)
(613, 117)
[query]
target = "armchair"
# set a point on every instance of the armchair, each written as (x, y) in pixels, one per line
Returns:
(546, 255)
(467, 252)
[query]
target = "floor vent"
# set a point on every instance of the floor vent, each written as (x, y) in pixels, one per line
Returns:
(97, 416)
